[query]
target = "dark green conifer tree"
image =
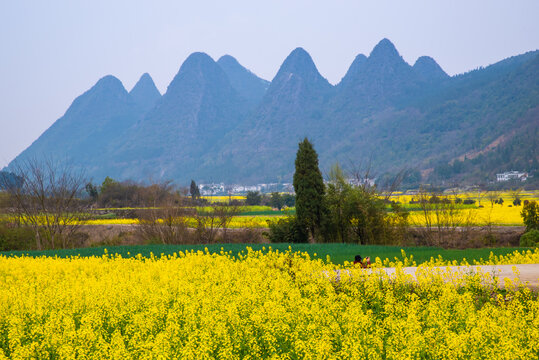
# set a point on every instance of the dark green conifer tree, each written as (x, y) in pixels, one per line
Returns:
(309, 186)
(195, 193)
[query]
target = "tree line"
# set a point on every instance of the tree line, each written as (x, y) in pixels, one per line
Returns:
(336, 210)
(49, 202)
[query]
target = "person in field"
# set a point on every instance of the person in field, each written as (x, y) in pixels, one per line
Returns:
(364, 263)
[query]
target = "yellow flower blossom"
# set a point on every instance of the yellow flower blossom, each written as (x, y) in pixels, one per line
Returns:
(260, 305)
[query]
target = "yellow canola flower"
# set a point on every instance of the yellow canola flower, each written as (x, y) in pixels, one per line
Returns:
(497, 215)
(235, 223)
(488, 214)
(516, 257)
(223, 198)
(260, 305)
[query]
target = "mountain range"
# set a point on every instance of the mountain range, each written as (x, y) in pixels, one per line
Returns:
(219, 122)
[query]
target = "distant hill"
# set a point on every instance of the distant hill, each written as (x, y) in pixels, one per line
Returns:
(91, 127)
(9, 180)
(218, 121)
(291, 108)
(428, 70)
(199, 107)
(144, 93)
(248, 85)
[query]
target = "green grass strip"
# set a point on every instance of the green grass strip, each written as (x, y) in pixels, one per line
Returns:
(338, 253)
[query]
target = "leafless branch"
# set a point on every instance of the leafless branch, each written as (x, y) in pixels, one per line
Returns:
(46, 199)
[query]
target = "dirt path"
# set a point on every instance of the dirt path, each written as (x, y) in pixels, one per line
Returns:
(525, 274)
(528, 274)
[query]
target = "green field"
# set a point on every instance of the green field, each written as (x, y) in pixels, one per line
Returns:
(338, 253)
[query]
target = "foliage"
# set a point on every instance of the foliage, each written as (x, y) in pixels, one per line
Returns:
(358, 214)
(115, 194)
(262, 305)
(276, 200)
(530, 215)
(337, 193)
(279, 201)
(253, 198)
(107, 183)
(289, 200)
(15, 237)
(367, 216)
(286, 230)
(194, 191)
(309, 186)
(530, 238)
(92, 191)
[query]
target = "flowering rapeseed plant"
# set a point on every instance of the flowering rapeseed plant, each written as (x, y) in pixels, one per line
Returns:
(516, 257)
(270, 305)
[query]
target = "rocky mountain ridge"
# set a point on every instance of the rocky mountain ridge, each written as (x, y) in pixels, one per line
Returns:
(218, 121)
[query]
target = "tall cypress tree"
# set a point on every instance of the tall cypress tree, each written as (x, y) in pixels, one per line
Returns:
(309, 187)
(195, 193)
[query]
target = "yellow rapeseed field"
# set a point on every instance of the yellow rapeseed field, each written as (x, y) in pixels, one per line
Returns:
(259, 306)
(259, 221)
(480, 198)
(496, 215)
(488, 214)
(223, 198)
(505, 214)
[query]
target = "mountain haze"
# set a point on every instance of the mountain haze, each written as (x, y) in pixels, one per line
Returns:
(91, 126)
(248, 85)
(144, 93)
(428, 70)
(198, 108)
(291, 109)
(218, 121)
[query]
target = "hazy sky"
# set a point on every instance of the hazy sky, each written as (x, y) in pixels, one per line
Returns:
(53, 51)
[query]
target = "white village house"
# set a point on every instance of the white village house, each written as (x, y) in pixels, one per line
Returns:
(512, 175)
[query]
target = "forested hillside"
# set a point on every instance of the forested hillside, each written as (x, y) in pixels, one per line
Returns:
(218, 121)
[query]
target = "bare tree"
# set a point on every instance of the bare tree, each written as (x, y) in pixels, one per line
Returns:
(481, 192)
(493, 197)
(228, 190)
(163, 218)
(423, 197)
(167, 224)
(456, 194)
(362, 174)
(515, 195)
(47, 200)
(158, 194)
(215, 219)
(396, 182)
(4, 201)
(443, 218)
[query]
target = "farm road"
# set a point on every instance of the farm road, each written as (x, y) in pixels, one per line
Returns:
(528, 274)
